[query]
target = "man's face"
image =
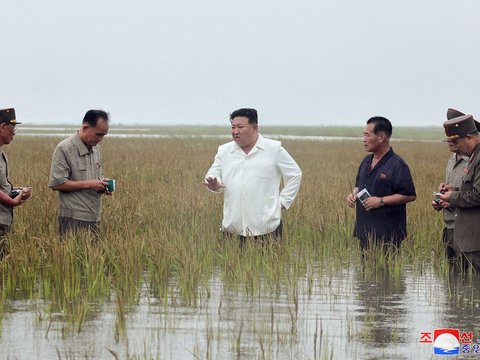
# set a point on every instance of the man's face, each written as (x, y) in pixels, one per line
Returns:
(371, 141)
(462, 145)
(452, 145)
(243, 133)
(93, 135)
(7, 132)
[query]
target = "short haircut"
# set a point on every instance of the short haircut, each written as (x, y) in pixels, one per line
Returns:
(250, 114)
(381, 124)
(92, 116)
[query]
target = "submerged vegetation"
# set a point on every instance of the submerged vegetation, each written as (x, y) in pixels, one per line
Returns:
(160, 240)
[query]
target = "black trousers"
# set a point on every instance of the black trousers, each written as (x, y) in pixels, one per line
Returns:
(471, 259)
(373, 242)
(275, 235)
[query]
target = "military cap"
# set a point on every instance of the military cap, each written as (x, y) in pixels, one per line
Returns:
(7, 116)
(453, 113)
(459, 127)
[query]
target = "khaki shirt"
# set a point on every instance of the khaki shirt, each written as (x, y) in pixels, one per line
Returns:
(73, 160)
(6, 212)
(453, 176)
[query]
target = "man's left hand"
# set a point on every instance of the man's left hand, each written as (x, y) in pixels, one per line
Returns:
(446, 196)
(26, 192)
(373, 202)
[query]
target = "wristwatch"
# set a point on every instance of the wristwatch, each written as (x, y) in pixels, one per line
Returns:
(381, 203)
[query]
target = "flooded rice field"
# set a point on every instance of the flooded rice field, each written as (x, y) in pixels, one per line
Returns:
(163, 284)
(345, 315)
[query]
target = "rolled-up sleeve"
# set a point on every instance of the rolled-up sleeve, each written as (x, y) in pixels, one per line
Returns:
(60, 170)
(403, 181)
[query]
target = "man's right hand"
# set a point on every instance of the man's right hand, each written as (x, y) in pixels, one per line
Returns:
(98, 185)
(444, 187)
(437, 206)
(19, 199)
(212, 183)
(351, 200)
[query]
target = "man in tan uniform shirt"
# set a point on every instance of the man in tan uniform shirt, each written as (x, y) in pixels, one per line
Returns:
(9, 195)
(76, 173)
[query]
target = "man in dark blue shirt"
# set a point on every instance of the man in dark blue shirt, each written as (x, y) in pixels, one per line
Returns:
(381, 213)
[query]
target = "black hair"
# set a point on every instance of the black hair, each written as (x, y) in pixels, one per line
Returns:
(92, 116)
(381, 124)
(250, 114)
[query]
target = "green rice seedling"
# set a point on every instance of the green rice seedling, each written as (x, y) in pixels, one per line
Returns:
(160, 238)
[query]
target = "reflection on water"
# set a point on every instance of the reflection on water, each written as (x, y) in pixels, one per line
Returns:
(347, 314)
(382, 311)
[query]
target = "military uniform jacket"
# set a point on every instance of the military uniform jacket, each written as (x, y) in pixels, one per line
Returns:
(6, 212)
(467, 204)
(454, 172)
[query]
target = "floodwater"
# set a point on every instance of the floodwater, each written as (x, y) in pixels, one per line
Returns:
(344, 315)
(146, 133)
(143, 134)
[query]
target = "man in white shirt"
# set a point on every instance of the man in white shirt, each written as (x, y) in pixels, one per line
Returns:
(249, 170)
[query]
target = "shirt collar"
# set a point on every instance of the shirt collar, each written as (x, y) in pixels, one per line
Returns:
(385, 156)
(477, 148)
(81, 147)
(474, 152)
(259, 144)
(381, 162)
(460, 157)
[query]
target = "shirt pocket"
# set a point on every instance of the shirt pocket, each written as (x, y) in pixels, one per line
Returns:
(79, 172)
(382, 185)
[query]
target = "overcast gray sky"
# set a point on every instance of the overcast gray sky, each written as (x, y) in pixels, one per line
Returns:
(302, 62)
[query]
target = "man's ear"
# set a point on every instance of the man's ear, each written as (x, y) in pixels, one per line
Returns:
(382, 136)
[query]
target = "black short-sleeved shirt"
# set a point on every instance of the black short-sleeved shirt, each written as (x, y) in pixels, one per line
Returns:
(390, 176)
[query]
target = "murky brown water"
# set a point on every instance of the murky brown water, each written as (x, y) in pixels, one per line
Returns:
(347, 315)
